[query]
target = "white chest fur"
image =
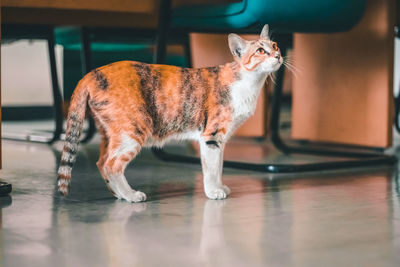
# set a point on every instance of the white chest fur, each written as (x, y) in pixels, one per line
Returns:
(244, 94)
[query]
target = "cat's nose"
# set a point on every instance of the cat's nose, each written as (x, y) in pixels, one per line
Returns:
(277, 55)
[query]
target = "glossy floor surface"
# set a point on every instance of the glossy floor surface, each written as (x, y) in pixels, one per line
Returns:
(336, 218)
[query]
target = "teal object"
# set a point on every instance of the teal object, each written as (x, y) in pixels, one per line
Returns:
(72, 35)
(282, 16)
(120, 44)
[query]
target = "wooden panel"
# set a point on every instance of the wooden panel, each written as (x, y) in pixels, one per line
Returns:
(211, 50)
(100, 13)
(134, 6)
(78, 17)
(115, 13)
(344, 92)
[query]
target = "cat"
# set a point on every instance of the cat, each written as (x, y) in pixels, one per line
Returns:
(136, 104)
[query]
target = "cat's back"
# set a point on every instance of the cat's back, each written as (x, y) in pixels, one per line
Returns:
(135, 75)
(122, 71)
(169, 90)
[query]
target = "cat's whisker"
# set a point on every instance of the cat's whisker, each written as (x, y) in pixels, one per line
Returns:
(289, 64)
(289, 60)
(294, 71)
(294, 67)
(272, 77)
(291, 67)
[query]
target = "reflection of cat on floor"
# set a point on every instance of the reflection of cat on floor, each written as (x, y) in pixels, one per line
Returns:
(218, 246)
(212, 234)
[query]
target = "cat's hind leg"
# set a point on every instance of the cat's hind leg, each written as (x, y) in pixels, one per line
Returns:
(121, 149)
(212, 153)
(102, 150)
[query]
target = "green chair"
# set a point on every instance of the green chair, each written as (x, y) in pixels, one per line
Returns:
(285, 17)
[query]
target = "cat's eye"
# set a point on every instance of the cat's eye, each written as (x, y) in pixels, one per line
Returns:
(274, 46)
(261, 51)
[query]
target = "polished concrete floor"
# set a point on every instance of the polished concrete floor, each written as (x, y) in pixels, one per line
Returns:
(335, 218)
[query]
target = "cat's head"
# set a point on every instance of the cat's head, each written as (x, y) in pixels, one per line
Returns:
(258, 55)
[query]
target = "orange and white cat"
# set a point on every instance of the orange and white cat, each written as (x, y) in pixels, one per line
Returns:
(136, 104)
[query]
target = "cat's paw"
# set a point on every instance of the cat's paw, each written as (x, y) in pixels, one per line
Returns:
(226, 189)
(135, 196)
(218, 193)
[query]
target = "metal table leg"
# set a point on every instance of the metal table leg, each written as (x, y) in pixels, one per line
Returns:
(164, 16)
(86, 68)
(57, 101)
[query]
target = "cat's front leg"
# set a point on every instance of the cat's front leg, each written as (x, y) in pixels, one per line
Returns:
(212, 153)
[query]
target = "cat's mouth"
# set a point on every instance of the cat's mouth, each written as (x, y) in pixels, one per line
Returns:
(272, 65)
(278, 63)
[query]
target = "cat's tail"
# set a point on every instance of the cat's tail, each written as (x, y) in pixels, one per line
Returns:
(76, 117)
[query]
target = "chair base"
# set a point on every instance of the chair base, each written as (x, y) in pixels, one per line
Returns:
(37, 136)
(31, 137)
(282, 168)
(352, 158)
(5, 189)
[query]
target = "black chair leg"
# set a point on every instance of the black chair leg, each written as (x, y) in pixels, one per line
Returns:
(164, 16)
(57, 102)
(86, 56)
(397, 98)
(57, 99)
(353, 159)
(187, 50)
(86, 68)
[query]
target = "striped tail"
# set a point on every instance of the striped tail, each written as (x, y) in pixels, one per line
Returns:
(76, 117)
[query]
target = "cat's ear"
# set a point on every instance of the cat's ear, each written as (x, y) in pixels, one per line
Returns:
(237, 45)
(265, 32)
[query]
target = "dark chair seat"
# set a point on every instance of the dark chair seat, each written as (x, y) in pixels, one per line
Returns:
(281, 15)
